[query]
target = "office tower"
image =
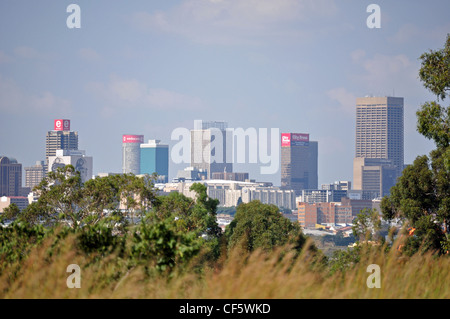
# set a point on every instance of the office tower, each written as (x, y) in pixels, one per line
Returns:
(61, 138)
(374, 175)
(379, 144)
(210, 146)
(379, 129)
(131, 153)
(76, 158)
(34, 174)
(299, 157)
(155, 159)
(10, 177)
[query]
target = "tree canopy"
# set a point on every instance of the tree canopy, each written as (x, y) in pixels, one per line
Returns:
(421, 197)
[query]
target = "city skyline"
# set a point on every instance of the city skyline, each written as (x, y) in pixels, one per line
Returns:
(141, 68)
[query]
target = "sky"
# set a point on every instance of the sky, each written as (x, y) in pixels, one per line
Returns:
(149, 67)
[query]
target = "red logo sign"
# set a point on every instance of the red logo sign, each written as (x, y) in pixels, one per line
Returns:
(285, 139)
(62, 125)
(133, 139)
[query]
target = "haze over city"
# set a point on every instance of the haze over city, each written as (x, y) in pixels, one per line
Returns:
(150, 67)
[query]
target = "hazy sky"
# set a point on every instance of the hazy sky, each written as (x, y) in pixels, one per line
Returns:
(148, 67)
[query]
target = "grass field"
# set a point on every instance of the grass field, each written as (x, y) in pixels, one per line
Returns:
(238, 275)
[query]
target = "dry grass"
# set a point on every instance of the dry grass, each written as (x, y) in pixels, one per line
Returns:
(238, 276)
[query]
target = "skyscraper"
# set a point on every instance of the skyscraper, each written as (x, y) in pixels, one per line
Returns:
(379, 135)
(209, 147)
(10, 177)
(299, 157)
(155, 159)
(61, 138)
(131, 153)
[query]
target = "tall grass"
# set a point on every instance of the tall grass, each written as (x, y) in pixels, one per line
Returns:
(238, 275)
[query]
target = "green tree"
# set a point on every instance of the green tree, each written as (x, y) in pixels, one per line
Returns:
(367, 225)
(65, 199)
(256, 225)
(421, 197)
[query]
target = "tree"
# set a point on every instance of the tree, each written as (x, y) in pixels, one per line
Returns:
(258, 225)
(65, 199)
(366, 225)
(421, 197)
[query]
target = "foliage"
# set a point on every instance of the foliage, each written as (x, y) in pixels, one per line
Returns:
(258, 225)
(16, 240)
(367, 225)
(421, 197)
(161, 243)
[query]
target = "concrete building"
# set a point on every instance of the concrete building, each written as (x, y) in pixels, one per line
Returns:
(61, 138)
(358, 205)
(241, 177)
(379, 135)
(155, 159)
(310, 215)
(210, 145)
(20, 201)
(374, 175)
(190, 174)
(299, 162)
(34, 174)
(10, 177)
(131, 153)
(340, 185)
(232, 193)
(76, 158)
(321, 195)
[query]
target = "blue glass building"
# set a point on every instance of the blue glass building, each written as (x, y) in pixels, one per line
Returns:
(155, 159)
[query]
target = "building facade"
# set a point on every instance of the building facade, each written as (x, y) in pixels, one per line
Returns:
(374, 175)
(131, 153)
(380, 131)
(321, 195)
(155, 159)
(211, 147)
(61, 138)
(34, 174)
(10, 177)
(241, 177)
(76, 158)
(310, 215)
(299, 162)
(232, 193)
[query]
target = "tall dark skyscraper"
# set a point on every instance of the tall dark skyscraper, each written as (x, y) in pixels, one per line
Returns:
(61, 138)
(379, 135)
(299, 158)
(10, 176)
